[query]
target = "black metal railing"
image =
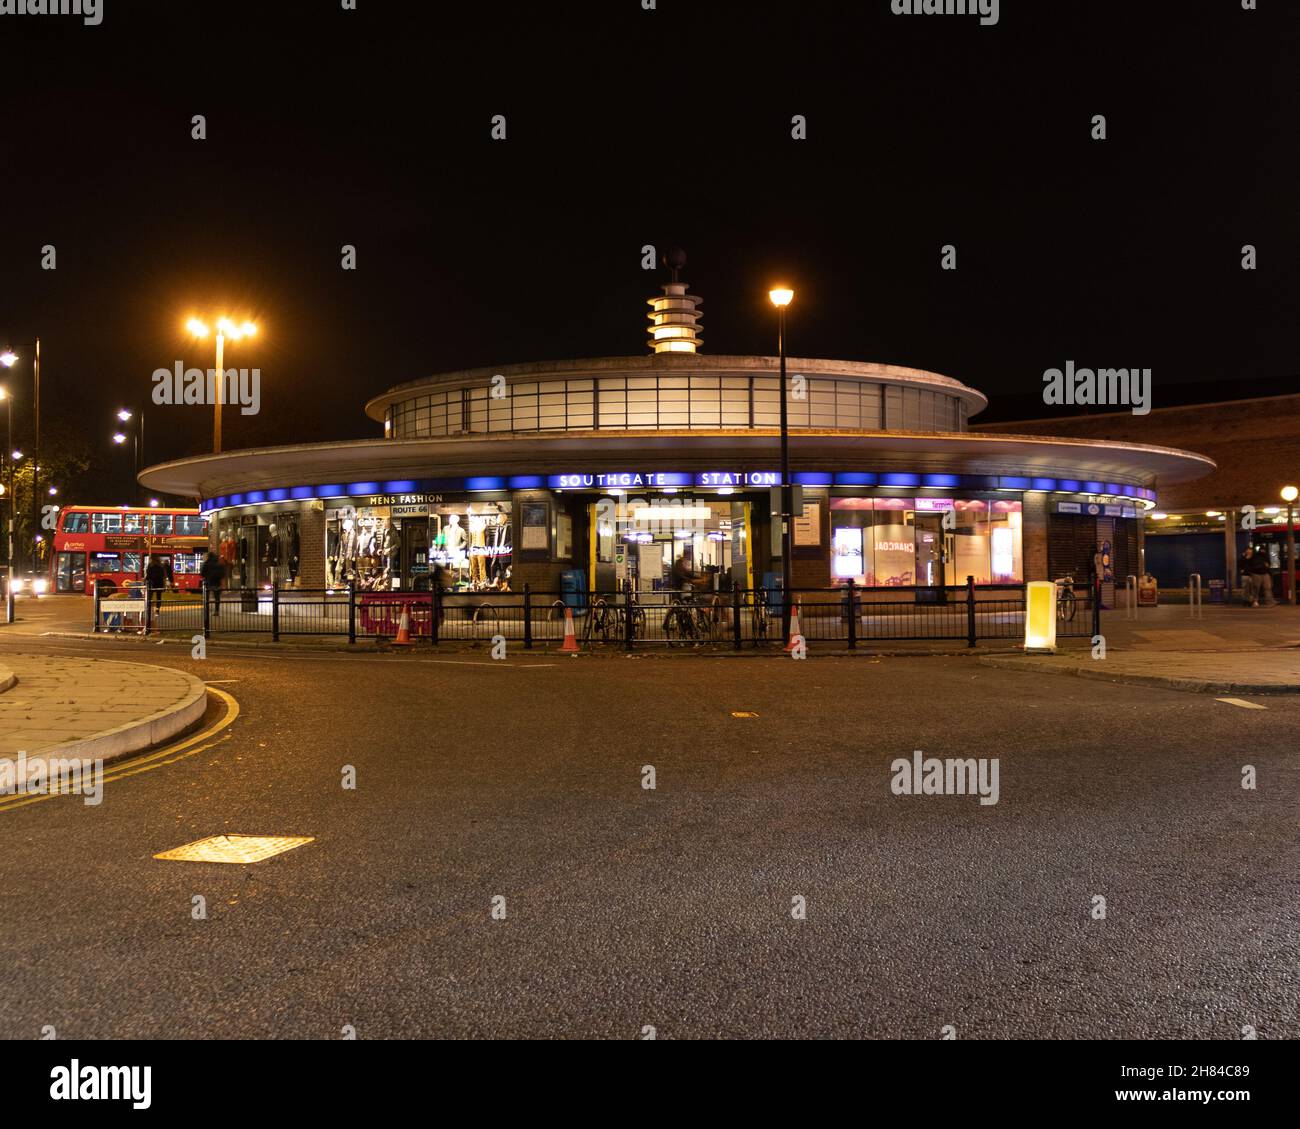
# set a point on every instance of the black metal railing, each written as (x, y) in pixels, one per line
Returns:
(847, 614)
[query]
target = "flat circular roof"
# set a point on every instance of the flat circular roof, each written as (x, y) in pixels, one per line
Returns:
(564, 452)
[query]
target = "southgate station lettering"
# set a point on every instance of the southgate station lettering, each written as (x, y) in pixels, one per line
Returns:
(662, 480)
(609, 472)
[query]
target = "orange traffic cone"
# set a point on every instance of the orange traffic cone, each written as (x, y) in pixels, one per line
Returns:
(795, 633)
(403, 629)
(570, 646)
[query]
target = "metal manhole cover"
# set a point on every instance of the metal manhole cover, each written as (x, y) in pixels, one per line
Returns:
(234, 848)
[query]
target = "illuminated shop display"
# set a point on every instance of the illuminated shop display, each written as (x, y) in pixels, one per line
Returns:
(900, 541)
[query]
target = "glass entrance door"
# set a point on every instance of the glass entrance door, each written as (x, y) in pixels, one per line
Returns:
(70, 572)
(931, 556)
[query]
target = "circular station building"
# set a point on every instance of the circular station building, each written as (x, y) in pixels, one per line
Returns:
(612, 469)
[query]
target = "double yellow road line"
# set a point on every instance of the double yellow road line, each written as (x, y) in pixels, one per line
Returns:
(157, 758)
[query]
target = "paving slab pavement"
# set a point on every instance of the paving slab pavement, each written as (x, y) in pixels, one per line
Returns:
(1229, 649)
(95, 709)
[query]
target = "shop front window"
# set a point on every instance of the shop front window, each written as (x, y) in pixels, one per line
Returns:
(464, 546)
(903, 542)
(470, 545)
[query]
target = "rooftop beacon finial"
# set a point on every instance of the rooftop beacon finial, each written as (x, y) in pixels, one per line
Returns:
(675, 318)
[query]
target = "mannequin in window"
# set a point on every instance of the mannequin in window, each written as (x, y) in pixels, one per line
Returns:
(477, 547)
(292, 546)
(271, 553)
(392, 548)
(453, 537)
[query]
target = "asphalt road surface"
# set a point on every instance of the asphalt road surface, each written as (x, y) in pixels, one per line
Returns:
(627, 907)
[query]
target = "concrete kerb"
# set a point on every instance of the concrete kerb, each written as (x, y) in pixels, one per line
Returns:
(7, 679)
(1156, 681)
(140, 733)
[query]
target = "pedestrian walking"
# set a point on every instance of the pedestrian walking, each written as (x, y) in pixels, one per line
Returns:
(213, 574)
(1256, 580)
(682, 577)
(155, 579)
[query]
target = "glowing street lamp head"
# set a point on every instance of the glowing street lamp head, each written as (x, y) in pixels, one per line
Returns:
(781, 296)
(124, 415)
(4, 392)
(153, 501)
(196, 327)
(17, 455)
(119, 438)
(235, 331)
(8, 357)
(1289, 493)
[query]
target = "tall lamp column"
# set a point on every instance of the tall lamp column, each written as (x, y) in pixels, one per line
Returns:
(1289, 494)
(11, 509)
(225, 328)
(781, 298)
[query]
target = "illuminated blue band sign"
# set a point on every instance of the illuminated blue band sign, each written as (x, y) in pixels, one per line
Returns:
(675, 480)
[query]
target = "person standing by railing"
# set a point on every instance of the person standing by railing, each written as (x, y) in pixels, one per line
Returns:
(213, 573)
(155, 580)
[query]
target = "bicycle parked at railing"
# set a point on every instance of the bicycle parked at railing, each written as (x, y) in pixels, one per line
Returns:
(692, 620)
(608, 622)
(760, 614)
(1065, 599)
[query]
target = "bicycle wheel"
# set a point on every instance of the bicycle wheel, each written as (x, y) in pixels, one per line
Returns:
(595, 624)
(1065, 606)
(607, 624)
(670, 625)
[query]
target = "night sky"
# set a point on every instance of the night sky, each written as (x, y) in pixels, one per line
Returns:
(627, 127)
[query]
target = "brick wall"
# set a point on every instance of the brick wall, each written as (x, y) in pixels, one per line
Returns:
(1033, 537)
(311, 548)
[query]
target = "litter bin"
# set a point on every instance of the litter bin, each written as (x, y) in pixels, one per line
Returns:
(1216, 591)
(573, 589)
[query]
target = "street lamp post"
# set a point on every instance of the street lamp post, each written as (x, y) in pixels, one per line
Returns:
(13, 507)
(137, 437)
(224, 328)
(1289, 494)
(781, 298)
(7, 358)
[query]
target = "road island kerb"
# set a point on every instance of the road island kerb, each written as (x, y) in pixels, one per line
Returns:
(92, 708)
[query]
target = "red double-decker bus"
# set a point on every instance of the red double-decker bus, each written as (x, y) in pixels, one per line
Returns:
(112, 545)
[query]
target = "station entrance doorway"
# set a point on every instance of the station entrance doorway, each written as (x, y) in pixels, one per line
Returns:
(641, 538)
